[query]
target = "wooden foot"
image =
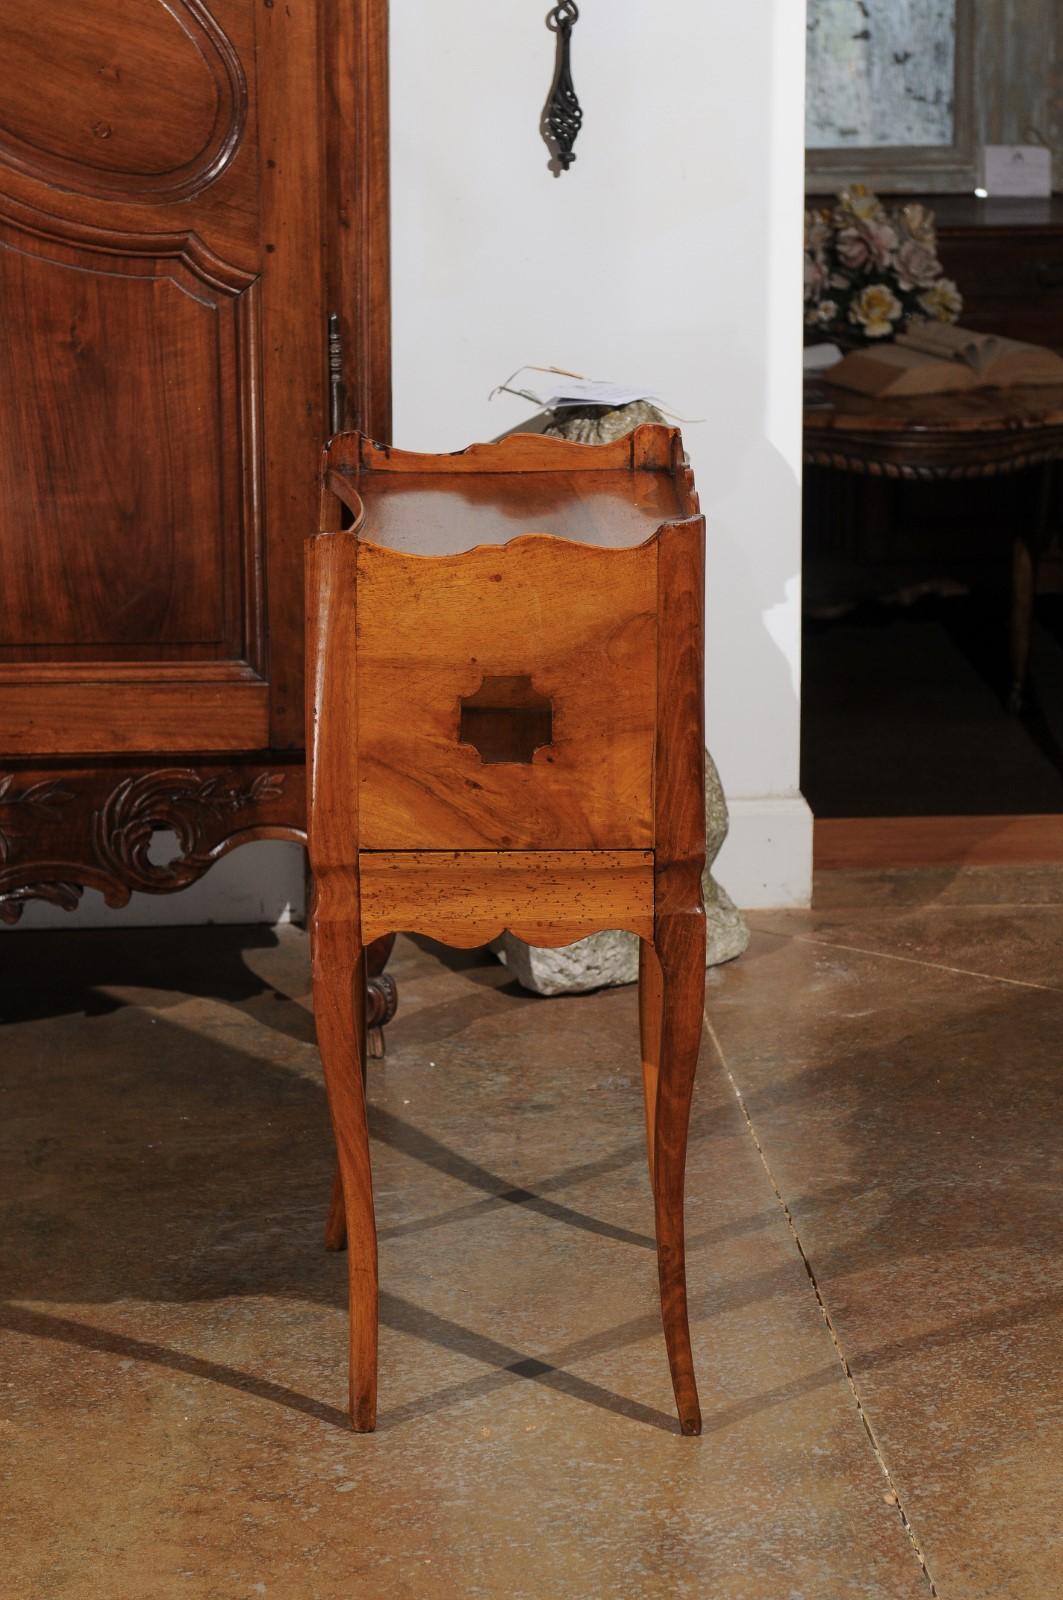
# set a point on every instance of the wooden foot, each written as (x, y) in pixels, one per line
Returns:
(679, 942)
(340, 1015)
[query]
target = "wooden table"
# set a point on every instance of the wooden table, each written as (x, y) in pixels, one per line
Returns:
(506, 731)
(985, 433)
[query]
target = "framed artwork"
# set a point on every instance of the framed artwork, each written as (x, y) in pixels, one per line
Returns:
(903, 94)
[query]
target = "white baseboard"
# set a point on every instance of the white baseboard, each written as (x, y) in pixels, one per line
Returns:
(767, 857)
(261, 882)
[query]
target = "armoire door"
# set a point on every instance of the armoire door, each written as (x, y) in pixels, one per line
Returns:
(163, 378)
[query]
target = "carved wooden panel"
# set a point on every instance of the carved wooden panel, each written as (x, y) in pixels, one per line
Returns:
(175, 175)
(128, 505)
(148, 98)
(93, 827)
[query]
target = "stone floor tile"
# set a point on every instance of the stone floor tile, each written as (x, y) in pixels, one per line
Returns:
(1021, 944)
(173, 1333)
(930, 1101)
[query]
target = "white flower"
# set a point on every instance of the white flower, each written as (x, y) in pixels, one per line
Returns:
(861, 204)
(876, 308)
(942, 301)
(826, 311)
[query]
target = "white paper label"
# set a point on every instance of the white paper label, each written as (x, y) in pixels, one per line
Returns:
(1018, 169)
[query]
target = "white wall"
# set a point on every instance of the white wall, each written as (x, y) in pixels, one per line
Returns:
(670, 253)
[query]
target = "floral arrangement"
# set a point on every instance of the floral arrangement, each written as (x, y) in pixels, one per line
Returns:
(870, 272)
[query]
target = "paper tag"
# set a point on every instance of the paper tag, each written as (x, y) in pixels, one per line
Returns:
(588, 392)
(1018, 169)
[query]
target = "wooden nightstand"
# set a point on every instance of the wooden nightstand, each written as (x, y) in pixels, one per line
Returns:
(505, 706)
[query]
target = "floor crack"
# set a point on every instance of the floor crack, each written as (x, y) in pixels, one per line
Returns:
(893, 1494)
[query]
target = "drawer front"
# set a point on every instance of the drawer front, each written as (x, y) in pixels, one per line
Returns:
(507, 697)
(468, 898)
(1011, 285)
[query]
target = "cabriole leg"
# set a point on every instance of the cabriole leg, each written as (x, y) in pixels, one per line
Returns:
(340, 1015)
(679, 941)
(650, 997)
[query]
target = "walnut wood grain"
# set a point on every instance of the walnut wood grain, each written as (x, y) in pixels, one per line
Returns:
(674, 1009)
(602, 827)
(467, 898)
(184, 188)
(153, 106)
(651, 997)
(358, 269)
(89, 718)
(578, 621)
(337, 944)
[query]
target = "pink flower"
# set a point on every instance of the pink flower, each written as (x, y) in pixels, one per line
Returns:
(817, 232)
(815, 278)
(853, 251)
(867, 242)
(916, 265)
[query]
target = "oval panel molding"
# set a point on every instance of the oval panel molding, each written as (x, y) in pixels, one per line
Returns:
(149, 98)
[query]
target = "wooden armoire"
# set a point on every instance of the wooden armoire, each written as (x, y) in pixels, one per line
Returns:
(189, 191)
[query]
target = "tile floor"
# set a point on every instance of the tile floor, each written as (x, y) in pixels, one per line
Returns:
(877, 1293)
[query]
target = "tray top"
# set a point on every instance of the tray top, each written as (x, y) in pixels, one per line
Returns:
(438, 514)
(614, 496)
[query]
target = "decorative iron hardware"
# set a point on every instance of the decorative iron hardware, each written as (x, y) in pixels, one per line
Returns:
(337, 394)
(563, 115)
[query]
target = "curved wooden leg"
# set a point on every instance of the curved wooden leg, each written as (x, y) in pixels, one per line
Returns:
(679, 941)
(382, 1000)
(340, 1015)
(336, 1221)
(650, 995)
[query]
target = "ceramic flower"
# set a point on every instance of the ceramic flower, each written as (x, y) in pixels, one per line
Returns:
(815, 278)
(917, 222)
(818, 232)
(861, 203)
(916, 265)
(876, 309)
(867, 242)
(869, 271)
(942, 301)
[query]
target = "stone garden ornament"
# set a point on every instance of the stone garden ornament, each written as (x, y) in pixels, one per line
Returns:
(608, 959)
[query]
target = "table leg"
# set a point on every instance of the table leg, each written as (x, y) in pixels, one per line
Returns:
(674, 1014)
(1024, 557)
(340, 1013)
